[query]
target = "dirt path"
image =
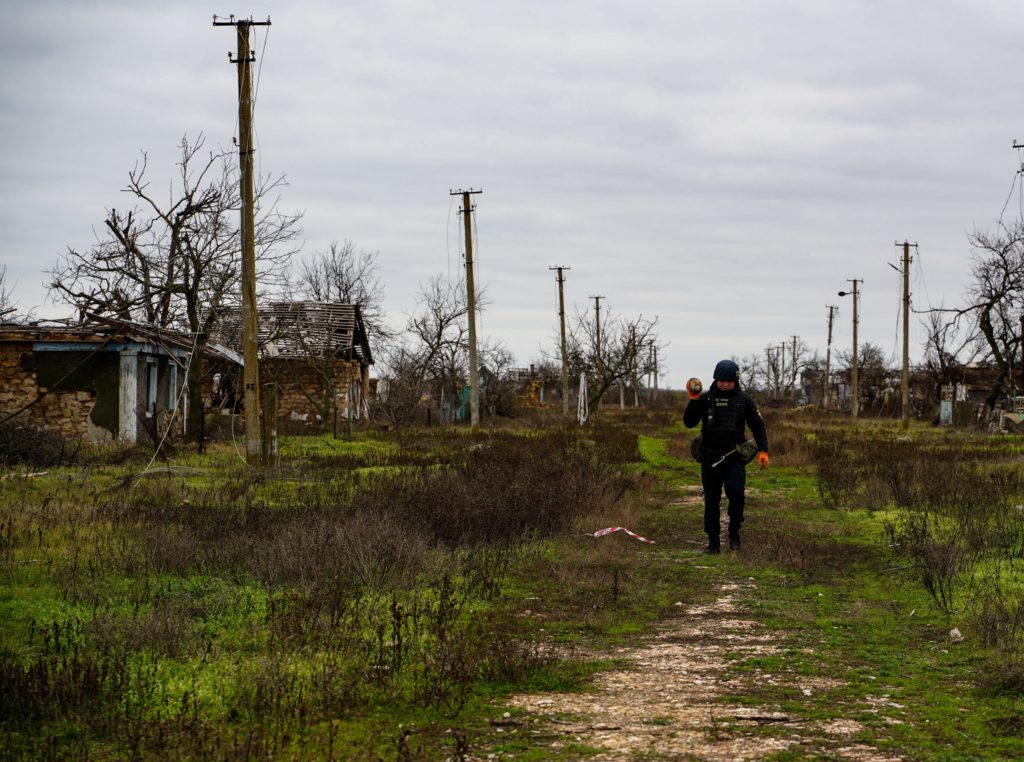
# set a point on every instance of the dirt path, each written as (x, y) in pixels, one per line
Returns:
(668, 702)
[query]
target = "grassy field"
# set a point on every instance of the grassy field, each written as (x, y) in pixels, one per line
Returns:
(379, 599)
(866, 548)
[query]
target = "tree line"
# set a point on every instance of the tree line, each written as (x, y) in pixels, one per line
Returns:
(172, 260)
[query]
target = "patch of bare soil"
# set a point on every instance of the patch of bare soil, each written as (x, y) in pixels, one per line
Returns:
(668, 702)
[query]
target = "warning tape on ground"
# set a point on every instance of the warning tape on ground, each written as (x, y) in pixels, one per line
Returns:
(612, 530)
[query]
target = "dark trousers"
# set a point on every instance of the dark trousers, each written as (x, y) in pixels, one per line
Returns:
(731, 474)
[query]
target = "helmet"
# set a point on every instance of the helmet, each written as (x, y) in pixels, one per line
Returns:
(727, 370)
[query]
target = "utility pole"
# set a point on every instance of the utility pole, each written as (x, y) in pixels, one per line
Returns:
(855, 293)
(597, 344)
(634, 364)
(905, 375)
(474, 370)
(565, 351)
(793, 369)
(250, 316)
(779, 388)
(826, 392)
(597, 332)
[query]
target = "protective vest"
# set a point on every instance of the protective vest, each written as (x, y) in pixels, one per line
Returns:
(723, 422)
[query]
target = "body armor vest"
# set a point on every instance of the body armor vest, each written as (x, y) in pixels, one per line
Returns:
(722, 423)
(723, 415)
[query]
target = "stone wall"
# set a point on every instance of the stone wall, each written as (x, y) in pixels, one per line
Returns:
(297, 382)
(66, 412)
(85, 406)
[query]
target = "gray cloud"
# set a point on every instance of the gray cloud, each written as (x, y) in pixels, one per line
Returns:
(724, 166)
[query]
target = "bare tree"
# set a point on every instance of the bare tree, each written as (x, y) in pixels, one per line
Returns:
(431, 358)
(401, 389)
(774, 365)
(950, 346)
(175, 263)
(995, 299)
(342, 274)
(797, 362)
(812, 374)
(7, 308)
(622, 356)
(753, 373)
(441, 334)
(499, 393)
(875, 373)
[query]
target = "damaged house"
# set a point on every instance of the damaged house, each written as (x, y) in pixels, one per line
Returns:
(100, 380)
(317, 353)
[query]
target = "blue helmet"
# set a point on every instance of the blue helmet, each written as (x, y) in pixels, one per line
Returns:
(727, 370)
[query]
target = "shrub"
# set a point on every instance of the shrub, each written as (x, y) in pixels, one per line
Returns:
(24, 444)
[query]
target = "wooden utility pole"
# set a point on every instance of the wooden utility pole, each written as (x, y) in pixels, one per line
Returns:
(597, 344)
(597, 332)
(793, 369)
(826, 392)
(855, 293)
(250, 318)
(780, 388)
(474, 370)
(905, 375)
(561, 320)
(634, 366)
(654, 353)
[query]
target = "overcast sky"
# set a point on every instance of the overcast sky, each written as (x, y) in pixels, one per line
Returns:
(724, 166)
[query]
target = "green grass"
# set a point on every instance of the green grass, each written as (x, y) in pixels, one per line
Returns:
(867, 628)
(849, 618)
(200, 653)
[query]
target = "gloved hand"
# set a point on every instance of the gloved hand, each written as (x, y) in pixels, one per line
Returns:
(694, 387)
(762, 459)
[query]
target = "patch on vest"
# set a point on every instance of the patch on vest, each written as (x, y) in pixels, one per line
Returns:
(722, 414)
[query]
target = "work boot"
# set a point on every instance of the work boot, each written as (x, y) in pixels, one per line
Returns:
(714, 546)
(734, 542)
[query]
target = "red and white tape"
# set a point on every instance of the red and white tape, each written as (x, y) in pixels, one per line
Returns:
(611, 530)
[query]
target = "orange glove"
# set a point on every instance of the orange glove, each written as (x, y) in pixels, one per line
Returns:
(762, 459)
(694, 387)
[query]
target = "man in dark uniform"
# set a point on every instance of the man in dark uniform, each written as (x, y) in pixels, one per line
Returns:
(724, 410)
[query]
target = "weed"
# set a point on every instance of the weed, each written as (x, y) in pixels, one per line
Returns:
(24, 444)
